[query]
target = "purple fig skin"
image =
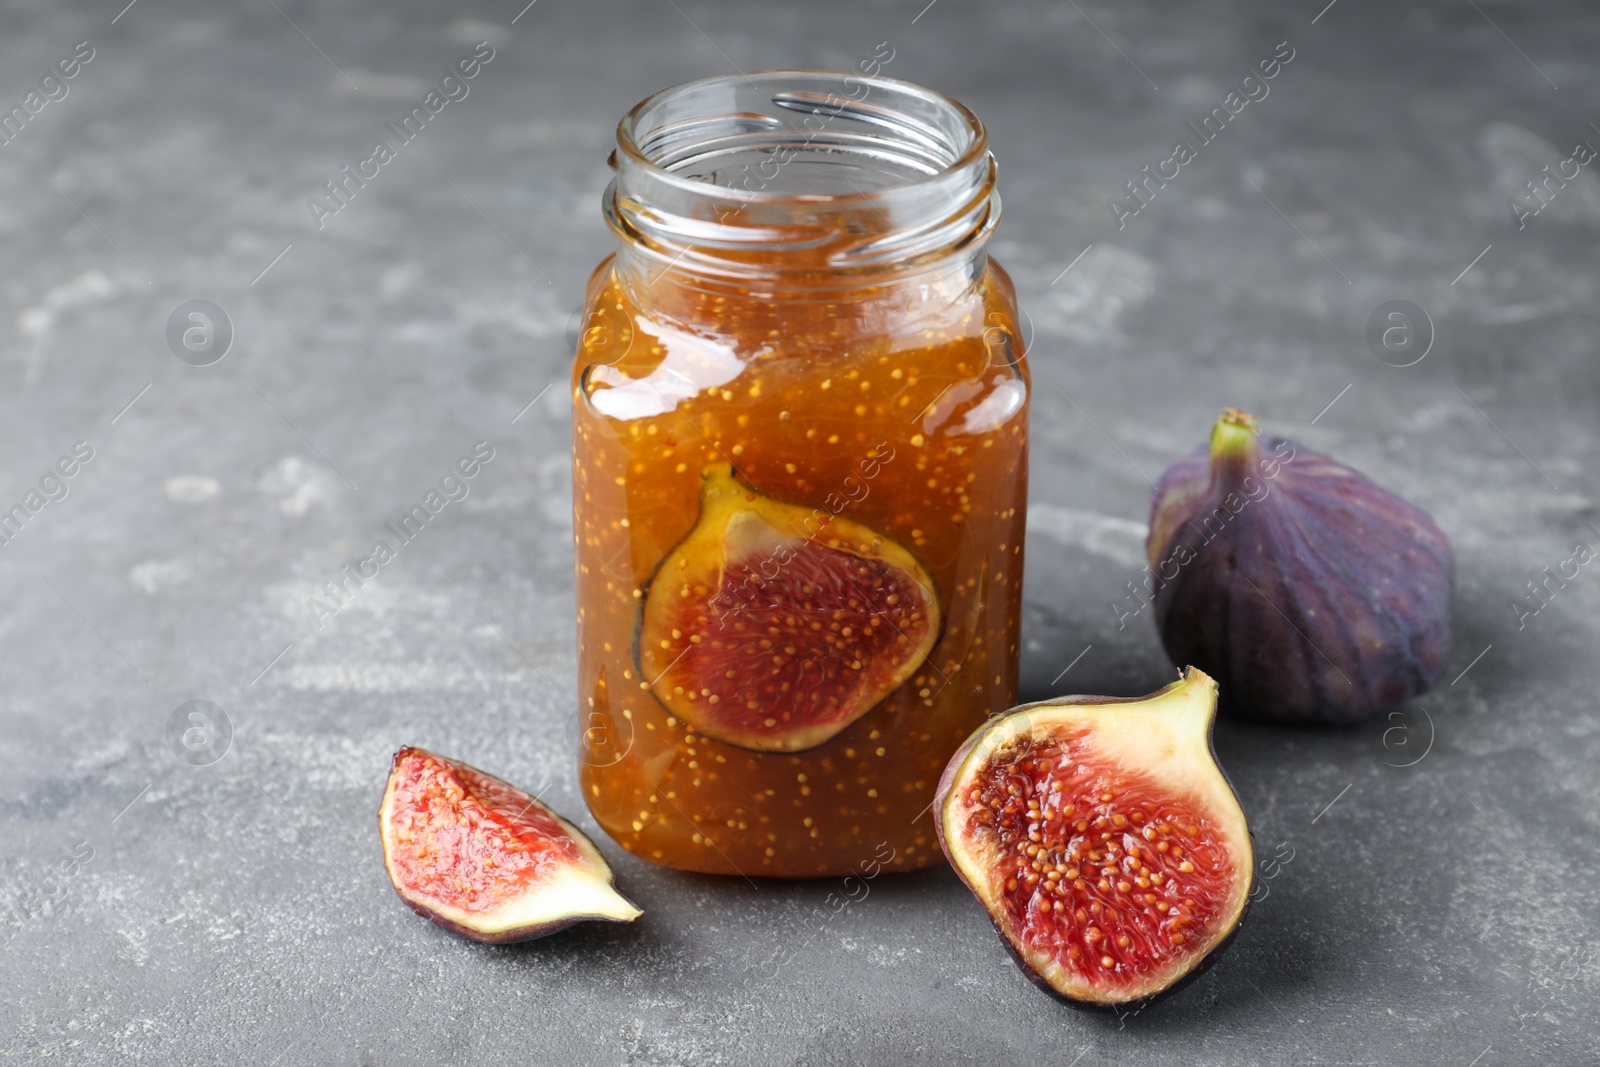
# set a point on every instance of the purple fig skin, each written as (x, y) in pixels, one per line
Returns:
(508, 937)
(1309, 593)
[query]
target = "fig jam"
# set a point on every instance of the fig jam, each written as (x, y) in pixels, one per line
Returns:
(801, 293)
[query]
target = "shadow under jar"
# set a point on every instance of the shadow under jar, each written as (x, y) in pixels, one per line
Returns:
(800, 410)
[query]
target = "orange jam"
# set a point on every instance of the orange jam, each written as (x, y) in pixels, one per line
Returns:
(799, 459)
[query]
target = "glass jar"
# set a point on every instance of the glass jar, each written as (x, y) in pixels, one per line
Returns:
(800, 411)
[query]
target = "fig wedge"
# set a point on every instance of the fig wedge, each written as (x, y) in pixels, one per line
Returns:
(773, 629)
(1103, 839)
(485, 860)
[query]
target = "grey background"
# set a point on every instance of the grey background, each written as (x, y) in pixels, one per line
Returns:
(237, 912)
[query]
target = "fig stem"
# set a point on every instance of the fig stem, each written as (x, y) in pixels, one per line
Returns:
(1233, 448)
(1234, 434)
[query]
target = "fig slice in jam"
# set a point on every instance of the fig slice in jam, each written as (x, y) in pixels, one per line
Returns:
(773, 627)
(1103, 838)
(484, 859)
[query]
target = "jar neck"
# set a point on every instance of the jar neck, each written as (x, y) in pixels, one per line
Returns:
(801, 183)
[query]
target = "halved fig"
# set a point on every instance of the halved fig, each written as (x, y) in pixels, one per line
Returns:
(774, 627)
(482, 858)
(1103, 838)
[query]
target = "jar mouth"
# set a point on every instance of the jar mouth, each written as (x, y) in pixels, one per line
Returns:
(782, 170)
(913, 136)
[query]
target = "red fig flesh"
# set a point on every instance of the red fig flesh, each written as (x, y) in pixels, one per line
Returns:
(482, 858)
(1103, 839)
(770, 632)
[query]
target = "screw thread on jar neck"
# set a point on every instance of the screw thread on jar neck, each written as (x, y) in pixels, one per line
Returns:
(813, 180)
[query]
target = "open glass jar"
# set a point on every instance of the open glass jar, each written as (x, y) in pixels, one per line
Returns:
(800, 411)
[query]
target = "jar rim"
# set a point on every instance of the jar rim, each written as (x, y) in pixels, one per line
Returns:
(717, 177)
(975, 149)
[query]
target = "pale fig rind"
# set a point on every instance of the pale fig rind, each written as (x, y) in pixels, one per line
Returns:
(774, 627)
(474, 815)
(1310, 593)
(1161, 742)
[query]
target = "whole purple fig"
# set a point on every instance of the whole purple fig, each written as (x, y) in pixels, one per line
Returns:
(1308, 592)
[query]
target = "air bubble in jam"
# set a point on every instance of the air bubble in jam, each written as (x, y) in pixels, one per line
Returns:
(1101, 870)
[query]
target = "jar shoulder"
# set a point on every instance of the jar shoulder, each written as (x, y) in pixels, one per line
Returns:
(945, 317)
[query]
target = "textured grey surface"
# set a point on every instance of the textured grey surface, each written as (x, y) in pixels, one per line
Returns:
(154, 911)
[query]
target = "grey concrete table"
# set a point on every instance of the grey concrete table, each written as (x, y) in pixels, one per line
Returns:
(1430, 876)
